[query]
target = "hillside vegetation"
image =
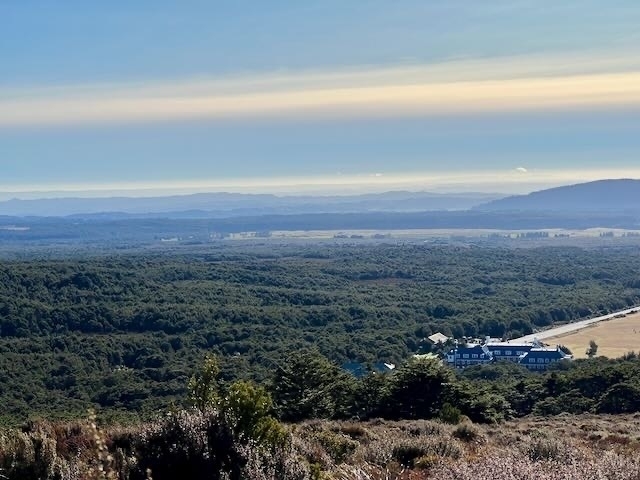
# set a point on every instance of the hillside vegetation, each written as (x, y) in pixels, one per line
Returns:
(189, 445)
(426, 426)
(123, 333)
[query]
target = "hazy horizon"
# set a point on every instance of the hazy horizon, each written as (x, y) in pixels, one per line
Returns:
(517, 182)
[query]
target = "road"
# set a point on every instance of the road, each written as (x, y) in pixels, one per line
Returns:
(572, 327)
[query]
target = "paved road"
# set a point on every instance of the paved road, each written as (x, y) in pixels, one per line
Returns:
(572, 327)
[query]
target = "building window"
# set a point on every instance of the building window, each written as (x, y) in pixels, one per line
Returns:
(475, 355)
(508, 353)
(546, 360)
(541, 360)
(466, 355)
(496, 352)
(532, 360)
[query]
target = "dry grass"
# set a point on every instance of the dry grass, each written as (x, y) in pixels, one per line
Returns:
(580, 447)
(614, 337)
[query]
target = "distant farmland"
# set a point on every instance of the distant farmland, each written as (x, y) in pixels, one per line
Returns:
(614, 337)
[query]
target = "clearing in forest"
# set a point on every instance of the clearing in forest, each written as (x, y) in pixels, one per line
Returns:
(614, 337)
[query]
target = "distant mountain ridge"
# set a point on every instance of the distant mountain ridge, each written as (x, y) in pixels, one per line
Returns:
(611, 204)
(602, 196)
(620, 195)
(220, 205)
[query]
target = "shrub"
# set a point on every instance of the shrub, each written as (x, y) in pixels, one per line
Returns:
(203, 388)
(467, 433)
(427, 462)
(450, 414)
(407, 453)
(423, 427)
(337, 446)
(546, 449)
(27, 455)
(353, 430)
(620, 398)
(245, 408)
(418, 388)
(279, 464)
(202, 446)
(569, 402)
(179, 445)
(445, 448)
(315, 455)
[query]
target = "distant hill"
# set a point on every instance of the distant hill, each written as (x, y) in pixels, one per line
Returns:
(600, 196)
(221, 205)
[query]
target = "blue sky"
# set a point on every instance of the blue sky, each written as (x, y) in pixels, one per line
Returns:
(282, 95)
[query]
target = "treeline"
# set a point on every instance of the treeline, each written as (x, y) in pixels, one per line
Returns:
(123, 332)
(309, 387)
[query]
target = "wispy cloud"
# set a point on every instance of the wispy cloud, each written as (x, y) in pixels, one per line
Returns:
(459, 87)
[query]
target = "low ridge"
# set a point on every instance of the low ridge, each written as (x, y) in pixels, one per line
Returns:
(599, 196)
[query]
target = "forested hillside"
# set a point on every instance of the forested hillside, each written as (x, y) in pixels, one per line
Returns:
(125, 332)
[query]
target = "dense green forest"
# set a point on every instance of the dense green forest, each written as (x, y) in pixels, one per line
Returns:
(125, 332)
(310, 387)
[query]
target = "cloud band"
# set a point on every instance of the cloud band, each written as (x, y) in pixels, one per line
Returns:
(314, 99)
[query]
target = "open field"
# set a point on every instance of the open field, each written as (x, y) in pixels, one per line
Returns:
(573, 327)
(614, 337)
(554, 233)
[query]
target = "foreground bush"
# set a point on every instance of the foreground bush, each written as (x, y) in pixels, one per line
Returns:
(184, 444)
(200, 445)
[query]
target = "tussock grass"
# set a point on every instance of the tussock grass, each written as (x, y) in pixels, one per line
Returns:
(195, 446)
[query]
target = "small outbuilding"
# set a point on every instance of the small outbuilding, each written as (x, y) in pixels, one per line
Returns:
(437, 338)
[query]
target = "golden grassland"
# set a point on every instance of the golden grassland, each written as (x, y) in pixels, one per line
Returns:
(614, 337)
